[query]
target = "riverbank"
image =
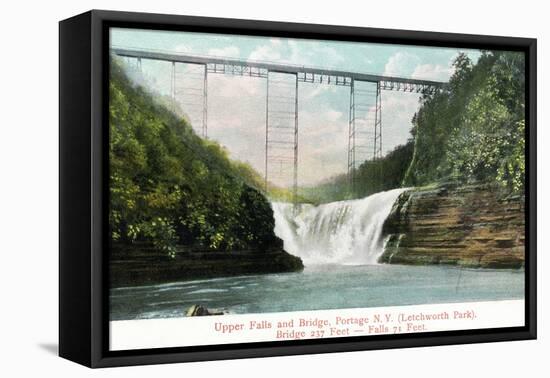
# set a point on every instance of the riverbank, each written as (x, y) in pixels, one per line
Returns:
(142, 264)
(467, 225)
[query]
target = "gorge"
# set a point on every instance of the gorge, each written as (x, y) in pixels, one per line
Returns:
(439, 219)
(474, 225)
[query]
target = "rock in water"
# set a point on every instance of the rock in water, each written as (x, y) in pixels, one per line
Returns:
(198, 310)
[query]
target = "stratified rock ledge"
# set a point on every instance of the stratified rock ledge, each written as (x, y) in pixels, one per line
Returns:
(142, 264)
(468, 225)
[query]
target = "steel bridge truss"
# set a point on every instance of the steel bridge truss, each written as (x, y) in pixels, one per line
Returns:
(133, 67)
(189, 89)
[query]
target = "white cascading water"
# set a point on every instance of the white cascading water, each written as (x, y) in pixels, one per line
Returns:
(343, 232)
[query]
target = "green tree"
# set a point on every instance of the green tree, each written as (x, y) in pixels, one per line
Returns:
(474, 130)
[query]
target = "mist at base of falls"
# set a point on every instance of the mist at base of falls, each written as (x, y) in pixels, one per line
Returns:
(343, 232)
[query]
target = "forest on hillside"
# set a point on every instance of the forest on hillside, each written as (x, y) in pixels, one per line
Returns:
(474, 131)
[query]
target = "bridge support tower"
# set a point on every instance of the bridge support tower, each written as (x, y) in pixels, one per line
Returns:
(189, 93)
(281, 131)
(364, 127)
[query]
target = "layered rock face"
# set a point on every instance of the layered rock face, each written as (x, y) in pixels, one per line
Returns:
(470, 225)
(144, 265)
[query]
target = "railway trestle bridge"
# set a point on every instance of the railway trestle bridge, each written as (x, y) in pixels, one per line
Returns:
(190, 91)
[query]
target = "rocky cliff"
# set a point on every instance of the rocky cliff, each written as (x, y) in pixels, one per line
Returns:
(471, 225)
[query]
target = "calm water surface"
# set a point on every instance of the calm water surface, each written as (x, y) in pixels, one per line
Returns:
(318, 288)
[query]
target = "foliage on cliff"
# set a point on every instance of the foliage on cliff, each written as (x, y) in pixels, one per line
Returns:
(168, 186)
(475, 130)
(371, 177)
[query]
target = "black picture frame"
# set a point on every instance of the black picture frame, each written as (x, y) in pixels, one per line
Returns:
(83, 195)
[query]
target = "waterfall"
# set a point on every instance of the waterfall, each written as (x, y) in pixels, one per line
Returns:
(343, 232)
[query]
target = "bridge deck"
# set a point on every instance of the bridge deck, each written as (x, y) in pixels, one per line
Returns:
(304, 73)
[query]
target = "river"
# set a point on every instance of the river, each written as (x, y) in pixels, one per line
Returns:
(340, 244)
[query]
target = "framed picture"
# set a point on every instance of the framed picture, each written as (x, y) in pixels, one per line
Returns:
(234, 188)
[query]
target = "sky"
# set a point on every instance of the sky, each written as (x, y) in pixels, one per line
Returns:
(236, 105)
